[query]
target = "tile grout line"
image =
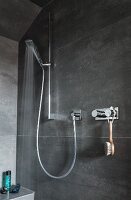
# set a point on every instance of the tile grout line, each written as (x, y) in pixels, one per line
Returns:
(72, 137)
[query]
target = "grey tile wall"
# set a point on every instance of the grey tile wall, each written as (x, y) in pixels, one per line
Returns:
(8, 105)
(91, 69)
(16, 17)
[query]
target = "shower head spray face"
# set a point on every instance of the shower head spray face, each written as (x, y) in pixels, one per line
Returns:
(29, 43)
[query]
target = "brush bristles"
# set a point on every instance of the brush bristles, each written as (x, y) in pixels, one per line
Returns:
(108, 148)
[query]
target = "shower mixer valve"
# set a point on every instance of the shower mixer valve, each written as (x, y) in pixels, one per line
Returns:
(77, 115)
(105, 113)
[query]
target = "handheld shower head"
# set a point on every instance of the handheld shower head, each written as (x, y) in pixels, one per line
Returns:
(30, 44)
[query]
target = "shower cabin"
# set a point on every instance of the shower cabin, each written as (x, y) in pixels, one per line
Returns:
(74, 102)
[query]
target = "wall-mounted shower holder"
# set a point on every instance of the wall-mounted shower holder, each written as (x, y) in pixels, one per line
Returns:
(111, 113)
(77, 115)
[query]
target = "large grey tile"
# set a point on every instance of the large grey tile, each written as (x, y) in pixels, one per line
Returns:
(8, 86)
(83, 18)
(8, 156)
(95, 75)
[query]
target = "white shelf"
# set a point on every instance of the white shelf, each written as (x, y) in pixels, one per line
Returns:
(24, 194)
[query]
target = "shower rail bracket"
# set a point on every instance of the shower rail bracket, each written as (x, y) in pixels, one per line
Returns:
(111, 113)
(46, 64)
(77, 114)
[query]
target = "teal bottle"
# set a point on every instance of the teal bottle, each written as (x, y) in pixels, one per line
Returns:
(8, 180)
(3, 179)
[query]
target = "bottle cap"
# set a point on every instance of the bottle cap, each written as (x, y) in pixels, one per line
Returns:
(8, 172)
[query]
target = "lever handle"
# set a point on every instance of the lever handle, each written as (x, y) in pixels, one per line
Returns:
(110, 132)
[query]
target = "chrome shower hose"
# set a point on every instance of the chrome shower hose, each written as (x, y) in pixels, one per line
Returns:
(37, 138)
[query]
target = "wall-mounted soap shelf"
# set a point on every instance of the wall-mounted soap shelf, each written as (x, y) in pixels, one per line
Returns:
(111, 113)
(23, 194)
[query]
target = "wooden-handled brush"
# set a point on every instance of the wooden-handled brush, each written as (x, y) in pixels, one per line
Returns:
(109, 146)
